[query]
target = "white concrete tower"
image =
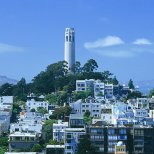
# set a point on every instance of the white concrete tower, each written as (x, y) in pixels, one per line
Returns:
(69, 53)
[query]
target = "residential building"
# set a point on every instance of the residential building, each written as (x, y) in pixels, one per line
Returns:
(99, 88)
(72, 137)
(6, 100)
(108, 91)
(6, 104)
(32, 104)
(97, 135)
(85, 85)
(22, 141)
(106, 113)
(58, 130)
(143, 140)
(104, 138)
(76, 121)
(89, 104)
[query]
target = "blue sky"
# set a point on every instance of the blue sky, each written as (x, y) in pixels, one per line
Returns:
(118, 34)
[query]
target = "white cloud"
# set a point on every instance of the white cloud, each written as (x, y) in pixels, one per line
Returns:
(104, 42)
(10, 48)
(113, 46)
(142, 41)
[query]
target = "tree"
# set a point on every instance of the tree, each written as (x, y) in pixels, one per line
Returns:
(6, 89)
(2, 150)
(85, 146)
(87, 117)
(20, 90)
(47, 129)
(53, 142)
(115, 81)
(106, 76)
(134, 95)
(52, 98)
(81, 95)
(42, 110)
(151, 93)
(37, 148)
(87, 113)
(61, 112)
(32, 110)
(90, 66)
(77, 68)
(131, 84)
(52, 79)
(16, 110)
(4, 141)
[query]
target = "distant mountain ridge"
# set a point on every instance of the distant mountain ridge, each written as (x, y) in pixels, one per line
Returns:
(4, 79)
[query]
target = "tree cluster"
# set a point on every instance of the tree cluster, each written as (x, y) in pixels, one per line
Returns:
(56, 78)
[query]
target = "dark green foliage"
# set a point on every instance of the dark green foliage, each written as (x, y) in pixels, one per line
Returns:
(77, 67)
(3, 141)
(115, 81)
(6, 89)
(20, 90)
(42, 110)
(131, 84)
(37, 148)
(52, 79)
(151, 93)
(61, 112)
(32, 110)
(16, 110)
(87, 117)
(2, 150)
(81, 95)
(134, 94)
(85, 146)
(47, 130)
(87, 113)
(52, 98)
(90, 66)
(53, 142)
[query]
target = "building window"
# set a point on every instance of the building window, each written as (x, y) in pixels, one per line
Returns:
(66, 38)
(70, 38)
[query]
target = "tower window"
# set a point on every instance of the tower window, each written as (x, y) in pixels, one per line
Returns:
(70, 38)
(66, 38)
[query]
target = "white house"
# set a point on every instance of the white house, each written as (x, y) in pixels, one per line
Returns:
(32, 104)
(58, 130)
(85, 85)
(89, 104)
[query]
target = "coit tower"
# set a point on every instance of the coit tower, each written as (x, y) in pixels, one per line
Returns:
(69, 51)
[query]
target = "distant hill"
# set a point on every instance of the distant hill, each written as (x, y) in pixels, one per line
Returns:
(145, 86)
(4, 79)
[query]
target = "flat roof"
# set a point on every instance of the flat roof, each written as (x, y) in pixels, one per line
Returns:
(75, 129)
(55, 146)
(22, 134)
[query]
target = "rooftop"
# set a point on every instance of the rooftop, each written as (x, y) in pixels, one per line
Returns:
(55, 146)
